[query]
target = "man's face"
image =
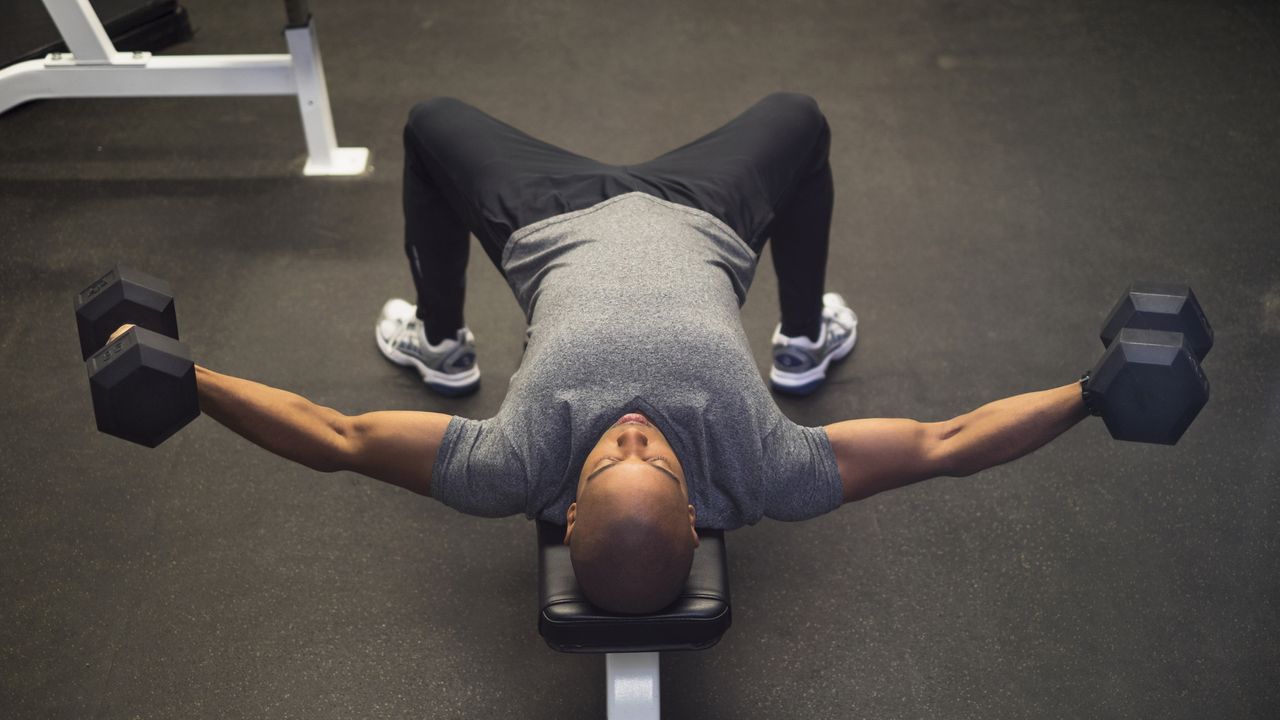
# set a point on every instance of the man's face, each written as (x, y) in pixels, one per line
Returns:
(633, 459)
(632, 449)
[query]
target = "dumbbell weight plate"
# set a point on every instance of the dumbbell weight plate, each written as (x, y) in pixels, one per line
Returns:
(1148, 386)
(1170, 307)
(124, 295)
(143, 386)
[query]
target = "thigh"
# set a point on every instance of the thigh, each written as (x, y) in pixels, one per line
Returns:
(499, 178)
(742, 171)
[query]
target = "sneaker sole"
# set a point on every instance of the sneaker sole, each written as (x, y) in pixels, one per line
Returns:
(806, 382)
(447, 384)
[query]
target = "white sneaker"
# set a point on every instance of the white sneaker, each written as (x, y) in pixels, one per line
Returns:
(448, 368)
(800, 364)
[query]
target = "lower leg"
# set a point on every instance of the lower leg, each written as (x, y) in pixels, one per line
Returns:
(799, 235)
(437, 243)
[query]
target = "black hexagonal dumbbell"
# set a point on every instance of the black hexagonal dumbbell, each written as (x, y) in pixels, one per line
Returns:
(1148, 386)
(143, 383)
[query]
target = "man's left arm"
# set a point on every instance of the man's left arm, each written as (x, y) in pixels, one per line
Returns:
(875, 455)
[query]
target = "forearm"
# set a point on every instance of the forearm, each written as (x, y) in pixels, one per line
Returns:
(1007, 429)
(282, 422)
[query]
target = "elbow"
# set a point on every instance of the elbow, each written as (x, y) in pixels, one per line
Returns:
(338, 451)
(328, 460)
(949, 456)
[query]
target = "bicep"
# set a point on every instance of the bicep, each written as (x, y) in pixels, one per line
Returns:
(395, 446)
(875, 455)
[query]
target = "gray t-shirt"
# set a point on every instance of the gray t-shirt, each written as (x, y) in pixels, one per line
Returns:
(633, 305)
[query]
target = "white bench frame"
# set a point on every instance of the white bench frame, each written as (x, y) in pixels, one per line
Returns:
(631, 681)
(94, 68)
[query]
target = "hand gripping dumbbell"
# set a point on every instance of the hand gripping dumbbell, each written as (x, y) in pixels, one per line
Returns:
(143, 383)
(1149, 386)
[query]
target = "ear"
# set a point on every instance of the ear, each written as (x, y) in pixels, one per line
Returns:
(693, 517)
(570, 516)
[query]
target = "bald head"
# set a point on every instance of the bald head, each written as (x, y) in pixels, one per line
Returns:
(632, 539)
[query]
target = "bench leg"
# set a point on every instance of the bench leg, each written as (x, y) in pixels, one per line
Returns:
(631, 680)
(324, 157)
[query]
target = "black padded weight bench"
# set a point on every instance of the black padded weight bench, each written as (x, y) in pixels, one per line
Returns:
(632, 643)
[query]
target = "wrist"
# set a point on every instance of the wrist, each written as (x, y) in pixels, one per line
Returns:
(206, 380)
(1090, 402)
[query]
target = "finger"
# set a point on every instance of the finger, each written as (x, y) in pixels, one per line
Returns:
(119, 331)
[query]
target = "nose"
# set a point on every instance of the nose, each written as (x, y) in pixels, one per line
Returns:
(632, 439)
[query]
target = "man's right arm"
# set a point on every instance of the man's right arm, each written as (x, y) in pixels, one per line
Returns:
(398, 447)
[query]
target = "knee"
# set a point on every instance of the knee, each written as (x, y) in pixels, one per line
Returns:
(799, 108)
(428, 117)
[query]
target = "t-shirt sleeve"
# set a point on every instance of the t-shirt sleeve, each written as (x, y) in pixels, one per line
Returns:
(801, 479)
(477, 471)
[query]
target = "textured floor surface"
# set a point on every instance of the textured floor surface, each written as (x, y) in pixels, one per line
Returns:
(1003, 171)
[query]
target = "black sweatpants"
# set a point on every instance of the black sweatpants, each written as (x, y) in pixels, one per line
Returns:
(765, 174)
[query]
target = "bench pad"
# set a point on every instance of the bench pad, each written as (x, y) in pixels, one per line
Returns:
(569, 623)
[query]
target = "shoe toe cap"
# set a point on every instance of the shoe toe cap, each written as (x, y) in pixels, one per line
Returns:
(388, 328)
(397, 309)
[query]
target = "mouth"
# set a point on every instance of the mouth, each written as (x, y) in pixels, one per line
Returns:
(635, 418)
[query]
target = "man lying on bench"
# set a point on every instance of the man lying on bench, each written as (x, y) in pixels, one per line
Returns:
(638, 414)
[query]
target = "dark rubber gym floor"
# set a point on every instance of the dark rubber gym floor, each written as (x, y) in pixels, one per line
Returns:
(1003, 171)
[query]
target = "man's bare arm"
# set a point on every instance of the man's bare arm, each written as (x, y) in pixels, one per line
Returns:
(875, 455)
(394, 446)
(397, 446)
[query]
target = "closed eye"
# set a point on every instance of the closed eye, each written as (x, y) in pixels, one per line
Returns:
(652, 461)
(655, 458)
